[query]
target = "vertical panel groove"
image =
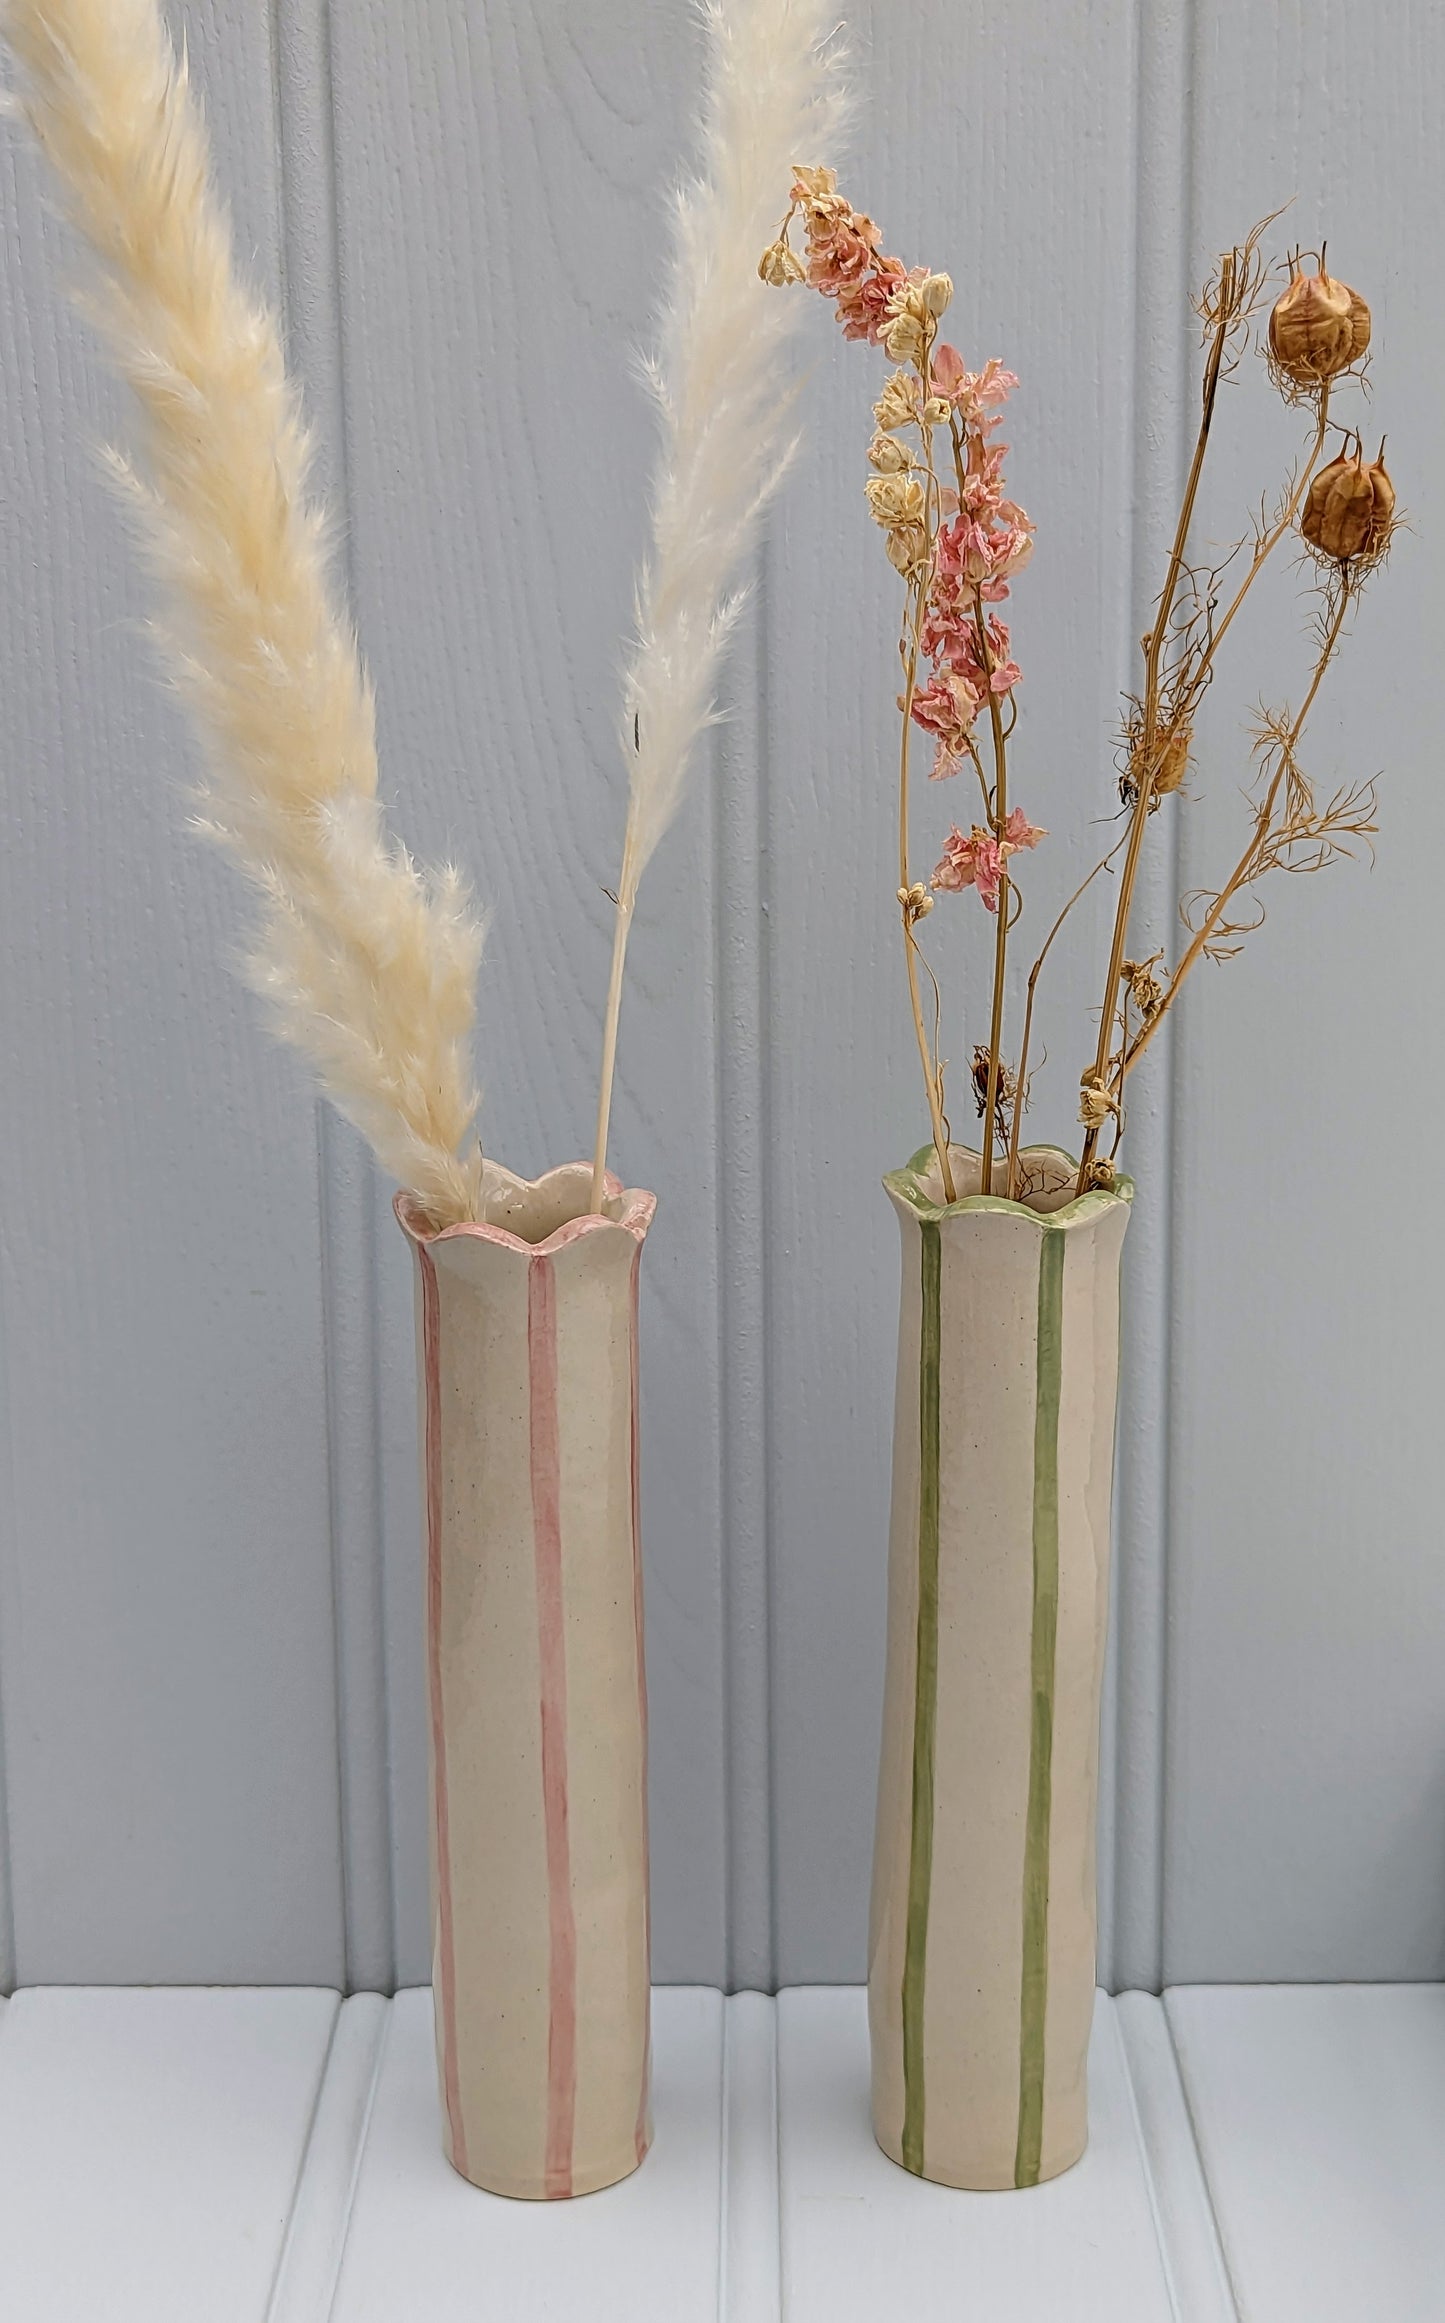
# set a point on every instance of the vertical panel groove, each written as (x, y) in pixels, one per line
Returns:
(302, 49)
(444, 1968)
(7, 1568)
(742, 1114)
(1219, 2246)
(1132, 1954)
(9, 1582)
(750, 2209)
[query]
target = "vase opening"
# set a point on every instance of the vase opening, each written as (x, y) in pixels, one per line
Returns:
(1046, 1179)
(533, 1212)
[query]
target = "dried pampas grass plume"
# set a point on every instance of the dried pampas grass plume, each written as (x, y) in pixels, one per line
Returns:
(724, 395)
(368, 964)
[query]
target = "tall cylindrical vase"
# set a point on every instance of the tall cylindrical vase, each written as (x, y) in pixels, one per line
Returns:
(981, 1952)
(527, 1360)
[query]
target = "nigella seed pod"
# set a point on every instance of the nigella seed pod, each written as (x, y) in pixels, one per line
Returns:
(1383, 494)
(1171, 764)
(1338, 511)
(1318, 328)
(1350, 507)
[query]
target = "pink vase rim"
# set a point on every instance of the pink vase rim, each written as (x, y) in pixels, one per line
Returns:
(631, 1211)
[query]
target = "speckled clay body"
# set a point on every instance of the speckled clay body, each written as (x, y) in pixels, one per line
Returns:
(527, 1358)
(981, 1968)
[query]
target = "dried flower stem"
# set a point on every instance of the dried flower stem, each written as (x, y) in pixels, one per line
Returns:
(932, 1070)
(1267, 848)
(932, 1077)
(1266, 543)
(1239, 277)
(1155, 647)
(1034, 974)
(620, 927)
(1005, 894)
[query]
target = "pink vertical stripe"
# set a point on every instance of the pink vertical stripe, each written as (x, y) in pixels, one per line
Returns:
(641, 2139)
(446, 1998)
(552, 1649)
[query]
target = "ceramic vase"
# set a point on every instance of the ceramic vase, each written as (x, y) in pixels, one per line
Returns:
(981, 1951)
(527, 1363)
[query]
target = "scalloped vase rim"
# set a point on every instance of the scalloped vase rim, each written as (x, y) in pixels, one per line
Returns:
(630, 1210)
(905, 1189)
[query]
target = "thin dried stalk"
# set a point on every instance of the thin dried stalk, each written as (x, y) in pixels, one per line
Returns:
(1224, 320)
(1160, 731)
(1005, 898)
(1034, 974)
(913, 901)
(1290, 832)
(724, 394)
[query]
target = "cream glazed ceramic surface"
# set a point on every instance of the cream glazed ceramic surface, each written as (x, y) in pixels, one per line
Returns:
(527, 1362)
(981, 1950)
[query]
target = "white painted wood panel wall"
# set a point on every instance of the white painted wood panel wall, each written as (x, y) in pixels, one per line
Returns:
(210, 1666)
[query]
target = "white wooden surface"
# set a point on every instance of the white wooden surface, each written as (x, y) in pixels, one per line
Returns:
(268, 2157)
(863, 2240)
(211, 1740)
(1322, 2128)
(423, 2242)
(150, 2149)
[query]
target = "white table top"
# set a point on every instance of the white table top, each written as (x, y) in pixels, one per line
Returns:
(1258, 2155)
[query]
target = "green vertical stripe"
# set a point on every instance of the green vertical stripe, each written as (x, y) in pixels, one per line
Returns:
(925, 1706)
(1041, 1734)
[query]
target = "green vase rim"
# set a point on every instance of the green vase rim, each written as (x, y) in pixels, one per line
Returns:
(905, 1186)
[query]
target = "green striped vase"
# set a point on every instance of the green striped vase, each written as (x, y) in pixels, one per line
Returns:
(981, 1947)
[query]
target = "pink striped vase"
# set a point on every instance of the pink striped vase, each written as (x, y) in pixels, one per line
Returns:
(527, 1356)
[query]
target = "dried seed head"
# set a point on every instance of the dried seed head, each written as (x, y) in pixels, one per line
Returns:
(904, 337)
(1171, 764)
(1319, 327)
(780, 264)
(1350, 508)
(888, 456)
(916, 902)
(898, 403)
(908, 549)
(895, 500)
(1145, 989)
(1096, 1102)
(913, 310)
(1005, 1096)
(1384, 496)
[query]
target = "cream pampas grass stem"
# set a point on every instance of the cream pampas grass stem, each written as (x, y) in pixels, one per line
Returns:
(368, 964)
(724, 393)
